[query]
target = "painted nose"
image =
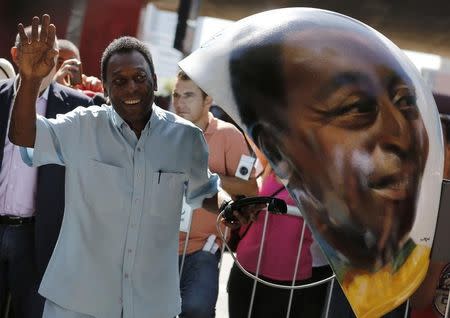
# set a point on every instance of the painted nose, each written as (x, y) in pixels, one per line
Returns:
(396, 130)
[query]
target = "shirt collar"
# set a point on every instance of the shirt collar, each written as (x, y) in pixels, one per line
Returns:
(117, 120)
(212, 124)
(16, 83)
(120, 123)
(44, 95)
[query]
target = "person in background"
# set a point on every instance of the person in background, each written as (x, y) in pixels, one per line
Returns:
(278, 262)
(200, 273)
(70, 72)
(31, 199)
(430, 299)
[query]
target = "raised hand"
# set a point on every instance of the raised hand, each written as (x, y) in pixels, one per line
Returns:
(36, 54)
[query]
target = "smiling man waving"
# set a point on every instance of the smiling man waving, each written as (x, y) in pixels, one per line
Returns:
(126, 174)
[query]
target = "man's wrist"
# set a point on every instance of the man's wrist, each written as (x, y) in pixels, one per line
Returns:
(30, 81)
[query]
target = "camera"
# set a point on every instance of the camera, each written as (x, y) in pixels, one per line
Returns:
(275, 206)
(245, 167)
(76, 78)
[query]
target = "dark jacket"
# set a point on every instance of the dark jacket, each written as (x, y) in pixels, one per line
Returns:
(50, 183)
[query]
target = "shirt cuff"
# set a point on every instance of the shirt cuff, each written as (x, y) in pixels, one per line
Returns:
(27, 155)
(208, 190)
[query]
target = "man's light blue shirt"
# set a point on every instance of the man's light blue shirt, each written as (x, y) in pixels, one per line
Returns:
(118, 245)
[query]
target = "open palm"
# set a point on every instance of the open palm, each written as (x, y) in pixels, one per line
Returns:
(36, 52)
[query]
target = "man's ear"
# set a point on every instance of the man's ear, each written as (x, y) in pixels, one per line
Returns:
(208, 101)
(15, 55)
(155, 83)
(105, 89)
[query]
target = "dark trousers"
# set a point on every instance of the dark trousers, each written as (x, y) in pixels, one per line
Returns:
(272, 302)
(18, 274)
(47, 229)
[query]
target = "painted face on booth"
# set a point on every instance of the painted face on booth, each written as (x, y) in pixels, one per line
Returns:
(355, 143)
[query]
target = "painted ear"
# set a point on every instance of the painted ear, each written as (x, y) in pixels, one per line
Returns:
(267, 141)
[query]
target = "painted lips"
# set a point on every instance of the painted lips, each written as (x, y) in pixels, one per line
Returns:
(391, 187)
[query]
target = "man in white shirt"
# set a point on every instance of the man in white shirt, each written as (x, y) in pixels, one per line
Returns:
(127, 168)
(31, 200)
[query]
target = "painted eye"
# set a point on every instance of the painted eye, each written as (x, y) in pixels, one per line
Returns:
(404, 101)
(407, 104)
(355, 112)
(362, 106)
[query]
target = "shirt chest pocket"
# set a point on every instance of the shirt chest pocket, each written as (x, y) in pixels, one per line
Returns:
(167, 195)
(103, 186)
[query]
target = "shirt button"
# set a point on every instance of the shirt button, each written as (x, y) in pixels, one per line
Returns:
(139, 149)
(130, 250)
(126, 275)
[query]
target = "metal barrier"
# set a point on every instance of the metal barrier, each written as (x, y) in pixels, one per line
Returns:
(256, 279)
(293, 211)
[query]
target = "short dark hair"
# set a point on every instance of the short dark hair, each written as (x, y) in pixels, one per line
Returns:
(182, 76)
(256, 74)
(125, 44)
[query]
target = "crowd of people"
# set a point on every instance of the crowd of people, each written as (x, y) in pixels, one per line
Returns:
(93, 180)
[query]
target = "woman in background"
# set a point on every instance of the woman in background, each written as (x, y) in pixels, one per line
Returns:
(278, 261)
